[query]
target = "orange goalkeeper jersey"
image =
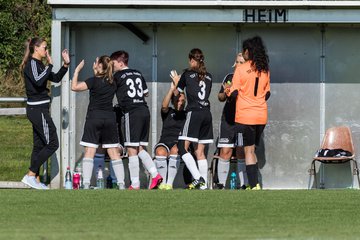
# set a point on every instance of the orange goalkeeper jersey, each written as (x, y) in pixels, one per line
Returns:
(251, 106)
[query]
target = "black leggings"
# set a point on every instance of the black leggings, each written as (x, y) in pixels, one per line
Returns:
(46, 141)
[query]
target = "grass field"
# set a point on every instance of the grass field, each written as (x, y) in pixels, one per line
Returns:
(179, 214)
(15, 145)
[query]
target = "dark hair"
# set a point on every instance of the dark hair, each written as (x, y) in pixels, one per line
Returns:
(120, 56)
(29, 50)
(257, 54)
(107, 67)
(198, 56)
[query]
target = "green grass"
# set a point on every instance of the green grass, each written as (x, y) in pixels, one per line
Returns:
(15, 145)
(179, 214)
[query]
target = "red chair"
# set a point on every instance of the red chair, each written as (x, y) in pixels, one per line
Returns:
(336, 138)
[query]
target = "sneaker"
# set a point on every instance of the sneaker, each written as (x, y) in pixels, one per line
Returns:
(155, 182)
(121, 186)
(168, 187)
(257, 187)
(86, 186)
(44, 187)
(162, 186)
(203, 187)
(197, 183)
(31, 182)
(133, 188)
(220, 186)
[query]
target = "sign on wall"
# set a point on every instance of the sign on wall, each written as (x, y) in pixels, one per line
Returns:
(265, 15)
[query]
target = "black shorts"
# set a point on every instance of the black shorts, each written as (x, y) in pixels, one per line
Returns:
(248, 135)
(100, 131)
(136, 125)
(198, 127)
(168, 145)
(226, 134)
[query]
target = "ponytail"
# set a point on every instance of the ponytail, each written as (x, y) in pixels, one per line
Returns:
(29, 50)
(198, 56)
(107, 68)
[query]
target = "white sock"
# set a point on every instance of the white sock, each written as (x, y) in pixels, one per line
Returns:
(148, 163)
(134, 171)
(203, 168)
(99, 159)
(223, 170)
(88, 165)
(173, 167)
(191, 165)
(118, 167)
(241, 167)
(161, 165)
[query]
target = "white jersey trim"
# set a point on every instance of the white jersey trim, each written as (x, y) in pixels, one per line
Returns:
(144, 144)
(37, 76)
(45, 128)
(112, 145)
(38, 102)
(188, 139)
(221, 145)
(86, 144)
(206, 141)
(130, 144)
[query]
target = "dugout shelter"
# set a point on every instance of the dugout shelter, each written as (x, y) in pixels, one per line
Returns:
(314, 58)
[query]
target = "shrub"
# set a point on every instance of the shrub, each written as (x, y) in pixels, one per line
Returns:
(19, 20)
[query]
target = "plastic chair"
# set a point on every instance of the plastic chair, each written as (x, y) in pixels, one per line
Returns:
(336, 138)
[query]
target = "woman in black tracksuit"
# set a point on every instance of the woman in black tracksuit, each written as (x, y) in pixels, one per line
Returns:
(36, 76)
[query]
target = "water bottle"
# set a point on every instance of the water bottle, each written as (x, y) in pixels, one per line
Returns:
(233, 179)
(76, 180)
(109, 182)
(68, 181)
(100, 178)
(78, 170)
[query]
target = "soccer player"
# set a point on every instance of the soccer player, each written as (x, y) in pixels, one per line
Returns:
(36, 76)
(226, 141)
(251, 83)
(100, 118)
(173, 122)
(131, 92)
(197, 83)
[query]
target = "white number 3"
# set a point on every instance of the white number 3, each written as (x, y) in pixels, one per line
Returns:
(132, 90)
(202, 86)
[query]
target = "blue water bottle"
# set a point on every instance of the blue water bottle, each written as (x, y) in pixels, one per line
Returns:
(68, 180)
(233, 179)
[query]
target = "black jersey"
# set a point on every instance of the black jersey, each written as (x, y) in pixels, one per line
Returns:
(101, 97)
(131, 88)
(197, 91)
(230, 105)
(36, 75)
(173, 122)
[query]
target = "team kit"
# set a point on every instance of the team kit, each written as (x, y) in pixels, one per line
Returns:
(187, 126)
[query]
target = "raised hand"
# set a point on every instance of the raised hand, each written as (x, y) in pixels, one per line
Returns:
(48, 57)
(95, 65)
(175, 78)
(65, 56)
(79, 66)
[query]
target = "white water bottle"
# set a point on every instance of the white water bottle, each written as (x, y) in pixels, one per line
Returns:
(100, 178)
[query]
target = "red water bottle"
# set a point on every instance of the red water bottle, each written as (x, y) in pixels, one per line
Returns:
(76, 180)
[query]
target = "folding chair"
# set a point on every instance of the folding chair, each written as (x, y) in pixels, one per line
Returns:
(336, 138)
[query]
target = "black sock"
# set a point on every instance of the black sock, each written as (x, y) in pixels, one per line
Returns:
(252, 173)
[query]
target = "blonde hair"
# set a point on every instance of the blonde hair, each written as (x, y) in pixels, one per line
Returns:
(107, 67)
